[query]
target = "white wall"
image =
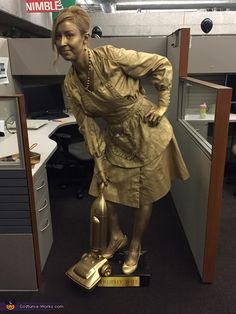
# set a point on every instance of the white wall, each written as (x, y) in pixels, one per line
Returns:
(162, 23)
(136, 24)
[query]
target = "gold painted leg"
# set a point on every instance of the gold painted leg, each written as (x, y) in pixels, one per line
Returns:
(117, 239)
(142, 217)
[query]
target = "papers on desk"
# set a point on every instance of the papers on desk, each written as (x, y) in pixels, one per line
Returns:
(35, 124)
(34, 158)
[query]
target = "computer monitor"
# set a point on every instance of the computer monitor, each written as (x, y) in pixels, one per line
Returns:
(43, 101)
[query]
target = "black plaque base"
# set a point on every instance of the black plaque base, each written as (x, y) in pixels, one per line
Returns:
(140, 278)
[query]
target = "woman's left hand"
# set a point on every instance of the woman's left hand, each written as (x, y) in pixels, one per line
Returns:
(154, 116)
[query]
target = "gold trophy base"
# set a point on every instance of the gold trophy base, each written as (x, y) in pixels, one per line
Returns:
(93, 270)
(140, 278)
(119, 281)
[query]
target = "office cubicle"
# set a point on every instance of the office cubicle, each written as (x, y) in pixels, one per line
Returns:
(199, 202)
(195, 220)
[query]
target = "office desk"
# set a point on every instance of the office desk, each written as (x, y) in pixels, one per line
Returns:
(45, 146)
(41, 202)
(208, 118)
(201, 124)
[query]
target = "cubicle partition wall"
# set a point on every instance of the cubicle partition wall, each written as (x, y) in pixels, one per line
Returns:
(25, 52)
(20, 267)
(212, 54)
(198, 203)
(34, 62)
(35, 57)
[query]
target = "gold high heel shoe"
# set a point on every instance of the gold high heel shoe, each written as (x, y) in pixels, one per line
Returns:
(129, 269)
(115, 246)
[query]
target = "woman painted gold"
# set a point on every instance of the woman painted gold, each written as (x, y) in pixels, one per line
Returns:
(136, 154)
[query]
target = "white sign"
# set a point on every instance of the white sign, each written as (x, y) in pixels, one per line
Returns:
(3, 70)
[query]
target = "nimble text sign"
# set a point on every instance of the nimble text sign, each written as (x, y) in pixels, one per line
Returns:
(43, 5)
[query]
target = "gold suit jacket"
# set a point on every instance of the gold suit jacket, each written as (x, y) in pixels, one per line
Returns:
(118, 97)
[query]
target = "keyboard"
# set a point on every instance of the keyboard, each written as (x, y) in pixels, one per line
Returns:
(52, 116)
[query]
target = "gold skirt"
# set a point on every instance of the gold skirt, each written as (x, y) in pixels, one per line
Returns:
(143, 185)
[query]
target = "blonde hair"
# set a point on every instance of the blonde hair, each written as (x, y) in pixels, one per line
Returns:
(75, 14)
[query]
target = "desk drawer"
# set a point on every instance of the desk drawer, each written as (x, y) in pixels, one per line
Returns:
(40, 187)
(42, 206)
(44, 227)
(43, 215)
(45, 238)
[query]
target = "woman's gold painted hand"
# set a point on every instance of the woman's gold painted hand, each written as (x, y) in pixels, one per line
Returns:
(102, 178)
(101, 174)
(154, 116)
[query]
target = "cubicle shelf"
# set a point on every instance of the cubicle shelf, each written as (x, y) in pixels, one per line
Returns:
(22, 24)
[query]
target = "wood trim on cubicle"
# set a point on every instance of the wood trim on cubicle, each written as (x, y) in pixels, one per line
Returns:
(184, 52)
(219, 145)
(22, 113)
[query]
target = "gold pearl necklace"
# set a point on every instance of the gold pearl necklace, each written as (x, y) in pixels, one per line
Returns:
(89, 70)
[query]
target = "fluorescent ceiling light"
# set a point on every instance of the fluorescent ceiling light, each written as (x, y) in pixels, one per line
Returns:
(171, 2)
(85, 2)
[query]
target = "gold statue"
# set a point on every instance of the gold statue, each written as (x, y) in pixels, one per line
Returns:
(136, 155)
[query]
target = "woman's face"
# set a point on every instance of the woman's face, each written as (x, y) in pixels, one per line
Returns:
(69, 41)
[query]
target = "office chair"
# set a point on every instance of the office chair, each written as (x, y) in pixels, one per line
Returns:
(76, 161)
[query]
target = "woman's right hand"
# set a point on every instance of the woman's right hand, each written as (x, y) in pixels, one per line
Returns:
(101, 174)
(102, 178)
